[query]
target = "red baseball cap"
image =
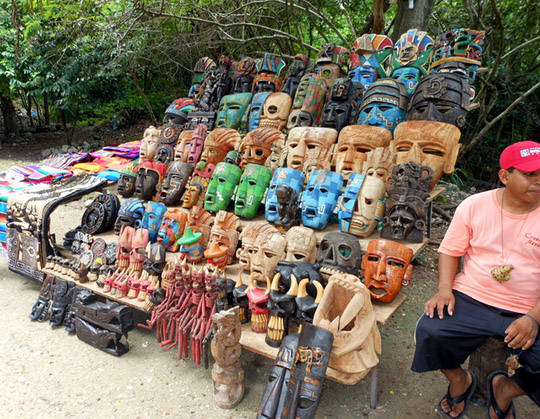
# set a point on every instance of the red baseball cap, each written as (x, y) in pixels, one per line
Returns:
(524, 156)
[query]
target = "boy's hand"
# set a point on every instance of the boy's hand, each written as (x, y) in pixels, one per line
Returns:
(438, 302)
(521, 333)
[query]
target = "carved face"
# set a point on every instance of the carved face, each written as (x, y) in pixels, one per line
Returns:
(428, 143)
(175, 183)
(364, 75)
(347, 201)
(149, 174)
(232, 110)
(248, 236)
(356, 339)
(199, 220)
(441, 97)
(256, 109)
(369, 207)
(172, 228)
(301, 244)
(330, 72)
(282, 176)
(192, 194)
(320, 198)
(299, 97)
(267, 82)
(126, 184)
(164, 154)
(225, 233)
(251, 189)
(152, 219)
(197, 144)
(386, 266)
(256, 146)
(337, 115)
(379, 163)
(270, 249)
(181, 151)
(287, 207)
(275, 111)
(410, 76)
(311, 110)
(310, 148)
(414, 46)
(130, 213)
(339, 252)
(149, 144)
(218, 143)
(221, 187)
(353, 144)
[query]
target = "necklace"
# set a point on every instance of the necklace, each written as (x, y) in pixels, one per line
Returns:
(502, 273)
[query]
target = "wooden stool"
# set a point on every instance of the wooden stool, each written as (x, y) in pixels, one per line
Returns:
(487, 358)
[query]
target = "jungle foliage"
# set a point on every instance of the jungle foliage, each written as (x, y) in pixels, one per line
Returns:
(87, 61)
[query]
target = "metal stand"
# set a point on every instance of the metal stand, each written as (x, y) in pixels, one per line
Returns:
(374, 387)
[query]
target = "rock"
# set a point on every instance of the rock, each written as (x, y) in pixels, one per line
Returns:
(46, 152)
(65, 148)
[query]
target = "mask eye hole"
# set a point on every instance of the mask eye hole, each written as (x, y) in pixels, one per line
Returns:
(368, 201)
(433, 152)
(304, 403)
(259, 152)
(269, 254)
(395, 263)
(252, 183)
(293, 145)
(324, 190)
(443, 108)
(272, 109)
(298, 256)
(345, 251)
(373, 258)
(324, 246)
(311, 146)
(385, 108)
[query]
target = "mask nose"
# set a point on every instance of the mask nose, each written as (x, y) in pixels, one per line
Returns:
(415, 153)
(381, 270)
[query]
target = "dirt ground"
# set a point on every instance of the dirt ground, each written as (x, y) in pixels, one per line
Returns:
(47, 372)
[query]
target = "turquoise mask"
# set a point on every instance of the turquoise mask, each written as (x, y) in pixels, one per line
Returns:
(410, 76)
(256, 109)
(232, 112)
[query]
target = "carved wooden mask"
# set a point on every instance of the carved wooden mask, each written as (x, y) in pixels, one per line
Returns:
(310, 148)
(149, 144)
(218, 143)
(369, 208)
(301, 244)
(269, 250)
(181, 151)
(248, 236)
(225, 232)
(275, 111)
(380, 163)
(256, 146)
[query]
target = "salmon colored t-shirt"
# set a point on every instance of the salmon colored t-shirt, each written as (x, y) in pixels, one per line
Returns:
(475, 232)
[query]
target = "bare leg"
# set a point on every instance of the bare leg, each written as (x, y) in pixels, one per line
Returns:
(504, 390)
(459, 380)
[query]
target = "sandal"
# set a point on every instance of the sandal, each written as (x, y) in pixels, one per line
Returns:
(465, 397)
(491, 402)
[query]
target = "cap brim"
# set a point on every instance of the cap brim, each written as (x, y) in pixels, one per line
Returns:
(530, 166)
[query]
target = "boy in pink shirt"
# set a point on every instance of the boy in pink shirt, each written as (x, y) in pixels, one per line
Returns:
(496, 295)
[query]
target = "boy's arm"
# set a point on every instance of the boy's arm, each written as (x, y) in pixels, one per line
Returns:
(448, 266)
(522, 332)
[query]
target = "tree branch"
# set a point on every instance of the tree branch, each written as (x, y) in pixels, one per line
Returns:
(520, 46)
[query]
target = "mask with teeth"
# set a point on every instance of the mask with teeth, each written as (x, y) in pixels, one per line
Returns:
(339, 253)
(320, 198)
(232, 111)
(301, 244)
(247, 238)
(251, 189)
(175, 183)
(306, 305)
(428, 143)
(275, 111)
(256, 109)
(353, 143)
(310, 148)
(380, 163)
(282, 307)
(258, 305)
(183, 146)
(269, 250)
(282, 176)
(346, 311)
(386, 266)
(225, 232)
(301, 270)
(221, 187)
(256, 146)
(154, 261)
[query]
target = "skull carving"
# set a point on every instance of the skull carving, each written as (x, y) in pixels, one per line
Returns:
(339, 253)
(282, 306)
(386, 266)
(275, 111)
(258, 301)
(301, 244)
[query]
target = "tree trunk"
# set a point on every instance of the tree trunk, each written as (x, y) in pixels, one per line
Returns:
(46, 112)
(415, 18)
(8, 109)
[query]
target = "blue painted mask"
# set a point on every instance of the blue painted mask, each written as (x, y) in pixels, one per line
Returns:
(408, 75)
(256, 109)
(384, 104)
(347, 201)
(364, 75)
(320, 198)
(282, 176)
(152, 219)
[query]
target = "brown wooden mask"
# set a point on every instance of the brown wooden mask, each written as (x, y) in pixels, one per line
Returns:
(192, 194)
(181, 151)
(428, 143)
(369, 208)
(269, 250)
(256, 146)
(310, 148)
(248, 237)
(275, 111)
(386, 267)
(301, 244)
(200, 221)
(218, 143)
(149, 144)
(379, 163)
(225, 232)
(346, 311)
(353, 144)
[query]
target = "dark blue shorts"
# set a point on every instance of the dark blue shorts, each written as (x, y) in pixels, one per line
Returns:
(447, 343)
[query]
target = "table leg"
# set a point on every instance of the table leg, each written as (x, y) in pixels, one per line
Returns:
(374, 386)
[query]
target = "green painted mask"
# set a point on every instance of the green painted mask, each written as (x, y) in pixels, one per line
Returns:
(253, 185)
(221, 187)
(233, 111)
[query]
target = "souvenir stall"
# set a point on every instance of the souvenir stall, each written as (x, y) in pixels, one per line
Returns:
(278, 209)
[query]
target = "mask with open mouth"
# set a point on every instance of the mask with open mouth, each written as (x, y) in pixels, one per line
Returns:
(221, 187)
(149, 144)
(346, 311)
(183, 146)
(195, 148)
(251, 189)
(247, 237)
(369, 207)
(152, 219)
(386, 266)
(225, 232)
(172, 228)
(269, 250)
(310, 148)
(301, 245)
(282, 306)
(339, 253)
(256, 146)
(218, 143)
(353, 143)
(233, 111)
(175, 183)
(380, 163)
(282, 176)
(320, 198)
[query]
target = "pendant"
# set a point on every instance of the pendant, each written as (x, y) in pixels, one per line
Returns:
(512, 363)
(502, 273)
